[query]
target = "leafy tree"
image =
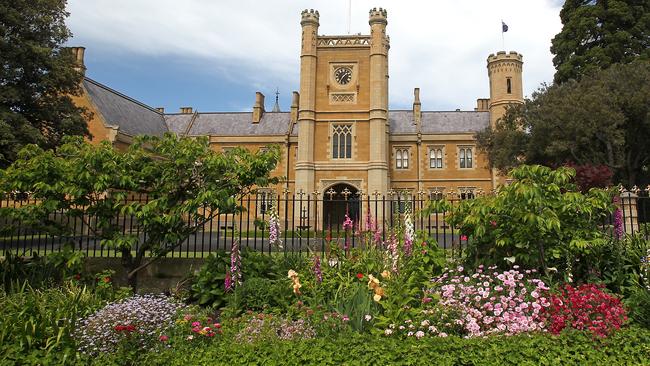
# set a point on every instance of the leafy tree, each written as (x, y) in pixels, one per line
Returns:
(186, 182)
(37, 77)
(603, 119)
(541, 220)
(599, 33)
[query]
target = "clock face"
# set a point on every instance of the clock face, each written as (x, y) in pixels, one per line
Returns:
(343, 75)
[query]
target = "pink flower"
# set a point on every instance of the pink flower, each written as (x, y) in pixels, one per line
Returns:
(463, 237)
(196, 324)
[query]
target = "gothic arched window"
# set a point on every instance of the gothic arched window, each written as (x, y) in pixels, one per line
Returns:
(342, 141)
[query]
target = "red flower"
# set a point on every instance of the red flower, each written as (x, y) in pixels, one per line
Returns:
(163, 338)
(217, 325)
(107, 279)
(77, 276)
(463, 237)
(359, 275)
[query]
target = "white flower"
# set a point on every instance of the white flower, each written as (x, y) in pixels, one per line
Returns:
(368, 317)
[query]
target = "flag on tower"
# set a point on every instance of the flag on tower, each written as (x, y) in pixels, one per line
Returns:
(504, 27)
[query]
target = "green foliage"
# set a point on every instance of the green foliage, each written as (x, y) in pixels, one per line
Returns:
(207, 286)
(617, 264)
(261, 294)
(598, 34)
(603, 119)
(186, 182)
(638, 305)
(40, 271)
(538, 221)
(38, 323)
(37, 77)
(630, 346)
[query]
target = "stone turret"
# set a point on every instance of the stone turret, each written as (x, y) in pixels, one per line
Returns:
(504, 71)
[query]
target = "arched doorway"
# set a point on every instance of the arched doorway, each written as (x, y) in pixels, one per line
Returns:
(338, 200)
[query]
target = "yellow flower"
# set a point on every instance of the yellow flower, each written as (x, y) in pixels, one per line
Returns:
(376, 298)
(292, 273)
(372, 282)
(385, 274)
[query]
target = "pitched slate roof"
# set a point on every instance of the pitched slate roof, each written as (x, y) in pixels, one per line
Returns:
(403, 123)
(135, 118)
(132, 117)
(453, 122)
(230, 124)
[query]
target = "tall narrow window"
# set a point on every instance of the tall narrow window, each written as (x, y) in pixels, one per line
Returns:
(509, 86)
(435, 158)
(402, 158)
(465, 157)
(342, 141)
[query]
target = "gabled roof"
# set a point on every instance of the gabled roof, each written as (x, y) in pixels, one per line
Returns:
(454, 122)
(230, 124)
(132, 117)
(403, 123)
(135, 118)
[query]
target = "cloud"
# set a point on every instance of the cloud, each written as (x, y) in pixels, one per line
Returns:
(439, 46)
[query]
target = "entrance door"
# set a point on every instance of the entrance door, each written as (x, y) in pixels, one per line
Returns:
(338, 200)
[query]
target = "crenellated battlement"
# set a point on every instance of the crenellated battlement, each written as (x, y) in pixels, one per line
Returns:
(309, 16)
(378, 15)
(503, 56)
(345, 41)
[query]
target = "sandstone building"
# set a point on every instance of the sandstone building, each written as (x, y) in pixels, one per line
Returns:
(339, 135)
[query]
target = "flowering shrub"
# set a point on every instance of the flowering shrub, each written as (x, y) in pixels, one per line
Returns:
(267, 327)
(139, 320)
(492, 302)
(195, 327)
(585, 307)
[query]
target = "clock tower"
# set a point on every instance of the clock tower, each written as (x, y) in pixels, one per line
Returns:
(343, 109)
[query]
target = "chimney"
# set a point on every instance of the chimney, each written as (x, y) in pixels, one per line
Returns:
(160, 109)
(482, 105)
(294, 107)
(417, 107)
(258, 108)
(186, 110)
(78, 55)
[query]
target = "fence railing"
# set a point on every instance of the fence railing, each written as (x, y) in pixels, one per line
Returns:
(307, 223)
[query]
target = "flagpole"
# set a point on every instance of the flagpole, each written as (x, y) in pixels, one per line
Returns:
(503, 37)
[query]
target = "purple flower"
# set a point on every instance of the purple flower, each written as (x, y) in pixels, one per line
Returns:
(227, 283)
(235, 265)
(347, 223)
(274, 229)
(317, 270)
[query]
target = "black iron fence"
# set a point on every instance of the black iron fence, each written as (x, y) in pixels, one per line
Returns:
(307, 223)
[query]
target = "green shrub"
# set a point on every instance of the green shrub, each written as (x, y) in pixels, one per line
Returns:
(618, 264)
(38, 323)
(40, 271)
(629, 346)
(541, 220)
(207, 285)
(261, 294)
(638, 304)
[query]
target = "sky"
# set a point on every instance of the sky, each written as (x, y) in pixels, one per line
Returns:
(213, 55)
